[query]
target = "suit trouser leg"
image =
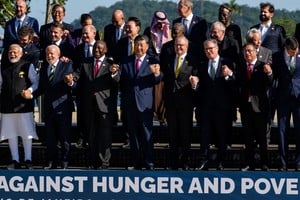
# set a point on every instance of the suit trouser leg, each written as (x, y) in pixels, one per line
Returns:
(283, 115)
(173, 137)
(146, 137)
(64, 126)
(51, 139)
(296, 121)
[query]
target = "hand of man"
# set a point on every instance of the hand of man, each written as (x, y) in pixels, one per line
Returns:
(26, 94)
(155, 69)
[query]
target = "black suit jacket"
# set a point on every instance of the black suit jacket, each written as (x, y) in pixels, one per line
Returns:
(297, 32)
(57, 94)
(45, 33)
(275, 37)
(99, 90)
(286, 81)
(216, 94)
(178, 91)
(256, 87)
(197, 35)
(110, 39)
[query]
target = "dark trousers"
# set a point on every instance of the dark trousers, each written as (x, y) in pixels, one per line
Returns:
(255, 126)
(140, 126)
(180, 123)
(100, 138)
(214, 128)
(284, 112)
(58, 128)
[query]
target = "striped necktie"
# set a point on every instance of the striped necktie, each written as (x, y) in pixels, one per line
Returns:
(51, 73)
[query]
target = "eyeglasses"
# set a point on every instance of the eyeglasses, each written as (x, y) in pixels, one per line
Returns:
(209, 48)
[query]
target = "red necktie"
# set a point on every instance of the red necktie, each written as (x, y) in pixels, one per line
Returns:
(249, 71)
(137, 65)
(97, 67)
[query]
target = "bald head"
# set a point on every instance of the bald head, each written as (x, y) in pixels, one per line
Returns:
(118, 18)
(20, 8)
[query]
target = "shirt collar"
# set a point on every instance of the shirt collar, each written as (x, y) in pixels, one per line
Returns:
(141, 58)
(101, 59)
(189, 18)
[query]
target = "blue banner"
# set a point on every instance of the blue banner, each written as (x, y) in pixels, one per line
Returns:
(137, 185)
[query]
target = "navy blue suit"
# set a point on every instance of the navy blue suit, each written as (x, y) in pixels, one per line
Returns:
(137, 102)
(275, 37)
(288, 103)
(58, 107)
(198, 33)
(10, 34)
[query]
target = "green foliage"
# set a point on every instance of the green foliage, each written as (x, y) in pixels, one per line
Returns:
(244, 16)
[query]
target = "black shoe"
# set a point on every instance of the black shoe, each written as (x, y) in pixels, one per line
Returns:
(50, 165)
(130, 168)
(126, 144)
(14, 165)
(185, 167)
(220, 166)
(283, 168)
(203, 165)
(28, 164)
(265, 168)
(248, 168)
(150, 168)
(297, 168)
(81, 144)
(64, 165)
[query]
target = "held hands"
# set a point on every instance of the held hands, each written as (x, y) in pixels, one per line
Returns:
(155, 69)
(69, 79)
(267, 69)
(114, 68)
(194, 80)
(226, 71)
(26, 94)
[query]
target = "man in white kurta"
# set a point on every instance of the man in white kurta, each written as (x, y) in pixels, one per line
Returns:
(17, 82)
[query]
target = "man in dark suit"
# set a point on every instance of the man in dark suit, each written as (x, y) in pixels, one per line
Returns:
(272, 35)
(288, 70)
(96, 88)
(75, 38)
(85, 49)
(255, 78)
(56, 83)
(58, 14)
(232, 29)
(114, 32)
(13, 25)
(179, 101)
(138, 74)
(297, 32)
(57, 38)
(82, 52)
(125, 46)
(31, 52)
(196, 29)
(216, 87)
